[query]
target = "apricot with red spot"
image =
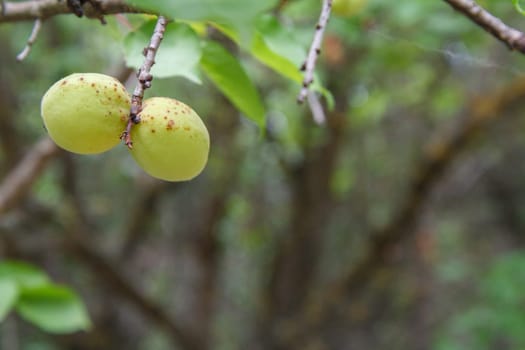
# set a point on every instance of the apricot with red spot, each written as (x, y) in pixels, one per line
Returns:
(175, 149)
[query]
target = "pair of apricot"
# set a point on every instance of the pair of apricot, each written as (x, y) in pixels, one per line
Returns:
(86, 114)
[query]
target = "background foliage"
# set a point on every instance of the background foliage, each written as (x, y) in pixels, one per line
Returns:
(397, 225)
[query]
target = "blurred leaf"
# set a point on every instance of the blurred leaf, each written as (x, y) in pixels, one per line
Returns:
(277, 48)
(179, 53)
(239, 14)
(518, 7)
(279, 40)
(505, 281)
(280, 64)
(274, 46)
(266, 46)
(369, 106)
(23, 274)
(229, 76)
(343, 178)
(53, 308)
(497, 314)
(8, 296)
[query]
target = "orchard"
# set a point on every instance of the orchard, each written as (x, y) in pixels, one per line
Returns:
(267, 175)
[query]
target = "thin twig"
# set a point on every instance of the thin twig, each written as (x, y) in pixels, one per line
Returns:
(144, 79)
(18, 182)
(511, 37)
(34, 9)
(315, 49)
(30, 41)
(316, 107)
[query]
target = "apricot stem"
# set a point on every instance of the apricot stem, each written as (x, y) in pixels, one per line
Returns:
(144, 78)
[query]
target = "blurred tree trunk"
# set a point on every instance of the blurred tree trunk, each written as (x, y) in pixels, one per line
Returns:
(9, 136)
(206, 246)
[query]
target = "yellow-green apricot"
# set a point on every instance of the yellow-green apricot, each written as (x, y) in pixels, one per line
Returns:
(86, 112)
(171, 142)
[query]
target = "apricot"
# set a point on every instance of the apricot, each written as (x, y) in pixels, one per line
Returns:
(86, 112)
(171, 141)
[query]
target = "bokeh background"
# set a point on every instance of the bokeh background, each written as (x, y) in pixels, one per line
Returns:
(399, 224)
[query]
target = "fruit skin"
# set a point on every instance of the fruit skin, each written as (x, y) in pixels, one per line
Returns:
(171, 142)
(86, 112)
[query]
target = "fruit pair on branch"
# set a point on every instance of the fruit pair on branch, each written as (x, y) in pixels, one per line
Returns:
(90, 113)
(86, 113)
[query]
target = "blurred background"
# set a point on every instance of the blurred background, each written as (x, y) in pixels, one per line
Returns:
(398, 224)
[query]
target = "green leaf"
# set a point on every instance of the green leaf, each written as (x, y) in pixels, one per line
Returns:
(280, 40)
(229, 76)
(22, 274)
(518, 7)
(275, 47)
(178, 55)
(272, 46)
(239, 14)
(278, 63)
(8, 296)
(53, 308)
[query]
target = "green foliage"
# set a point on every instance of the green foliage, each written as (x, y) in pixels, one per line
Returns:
(51, 307)
(23, 274)
(496, 314)
(259, 34)
(226, 72)
(276, 47)
(179, 54)
(8, 296)
(182, 53)
(400, 71)
(518, 7)
(239, 14)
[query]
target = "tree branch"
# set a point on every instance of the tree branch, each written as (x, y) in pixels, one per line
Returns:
(144, 78)
(41, 9)
(30, 41)
(108, 275)
(18, 182)
(511, 37)
(141, 216)
(315, 49)
(439, 157)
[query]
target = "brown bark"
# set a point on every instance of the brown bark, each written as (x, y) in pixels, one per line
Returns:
(429, 171)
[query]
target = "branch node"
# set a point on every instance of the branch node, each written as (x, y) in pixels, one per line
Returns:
(98, 10)
(76, 7)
